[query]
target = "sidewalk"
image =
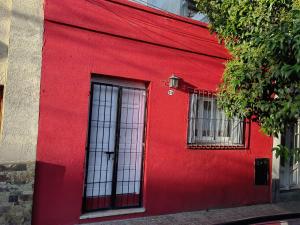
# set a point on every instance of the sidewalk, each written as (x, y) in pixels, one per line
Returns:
(216, 216)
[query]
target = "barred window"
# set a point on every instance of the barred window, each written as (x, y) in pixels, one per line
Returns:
(296, 143)
(209, 126)
(291, 135)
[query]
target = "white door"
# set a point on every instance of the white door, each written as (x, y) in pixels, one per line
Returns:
(290, 168)
(295, 167)
(295, 176)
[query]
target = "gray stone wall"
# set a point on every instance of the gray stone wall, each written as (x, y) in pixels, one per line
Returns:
(21, 40)
(16, 193)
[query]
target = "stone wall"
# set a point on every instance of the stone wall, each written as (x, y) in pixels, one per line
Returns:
(21, 40)
(16, 192)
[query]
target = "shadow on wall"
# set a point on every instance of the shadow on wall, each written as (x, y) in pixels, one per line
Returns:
(48, 177)
(22, 16)
(187, 87)
(229, 184)
(3, 50)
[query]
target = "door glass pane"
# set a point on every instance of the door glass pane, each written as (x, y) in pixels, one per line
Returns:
(101, 146)
(295, 173)
(207, 116)
(289, 167)
(130, 147)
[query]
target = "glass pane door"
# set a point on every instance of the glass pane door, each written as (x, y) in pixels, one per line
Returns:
(115, 147)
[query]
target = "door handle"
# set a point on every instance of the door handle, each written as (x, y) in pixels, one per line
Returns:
(109, 153)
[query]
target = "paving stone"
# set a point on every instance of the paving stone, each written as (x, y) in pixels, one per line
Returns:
(212, 216)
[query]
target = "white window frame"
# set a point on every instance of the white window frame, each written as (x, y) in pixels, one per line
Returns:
(197, 121)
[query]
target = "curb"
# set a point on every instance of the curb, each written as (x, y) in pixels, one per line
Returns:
(261, 219)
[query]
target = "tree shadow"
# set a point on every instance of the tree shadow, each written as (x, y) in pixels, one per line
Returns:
(187, 87)
(3, 50)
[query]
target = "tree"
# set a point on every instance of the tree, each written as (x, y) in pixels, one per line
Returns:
(262, 80)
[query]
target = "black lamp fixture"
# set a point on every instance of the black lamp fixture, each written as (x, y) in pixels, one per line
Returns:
(174, 81)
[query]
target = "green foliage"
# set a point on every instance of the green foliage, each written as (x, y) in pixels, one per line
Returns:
(286, 153)
(262, 80)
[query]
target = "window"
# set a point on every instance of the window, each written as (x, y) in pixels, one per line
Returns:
(289, 165)
(186, 8)
(209, 126)
(296, 135)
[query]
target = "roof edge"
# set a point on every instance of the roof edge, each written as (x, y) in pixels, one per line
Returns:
(157, 12)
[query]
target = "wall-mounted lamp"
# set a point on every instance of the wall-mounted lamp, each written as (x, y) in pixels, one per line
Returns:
(174, 81)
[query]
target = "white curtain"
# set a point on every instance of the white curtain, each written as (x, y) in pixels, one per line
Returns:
(102, 140)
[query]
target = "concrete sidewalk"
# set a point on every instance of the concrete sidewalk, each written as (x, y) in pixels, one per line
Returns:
(215, 216)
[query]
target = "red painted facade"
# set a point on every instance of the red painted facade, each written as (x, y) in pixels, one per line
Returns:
(122, 39)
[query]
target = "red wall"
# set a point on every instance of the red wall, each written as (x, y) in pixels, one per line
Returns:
(176, 178)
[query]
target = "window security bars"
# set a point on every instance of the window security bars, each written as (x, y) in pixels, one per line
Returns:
(209, 126)
(115, 148)
(291, 137)
(295, 168)
(296, 143)
(290, 164)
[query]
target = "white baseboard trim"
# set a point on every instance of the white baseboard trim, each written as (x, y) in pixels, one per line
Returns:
(115, 212)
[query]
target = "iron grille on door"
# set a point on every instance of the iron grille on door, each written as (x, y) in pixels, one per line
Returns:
(115, 147)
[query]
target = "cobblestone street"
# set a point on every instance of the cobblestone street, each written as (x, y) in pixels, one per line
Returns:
(216, 216)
